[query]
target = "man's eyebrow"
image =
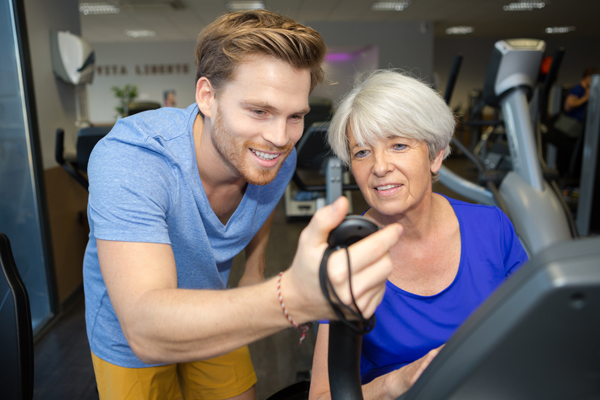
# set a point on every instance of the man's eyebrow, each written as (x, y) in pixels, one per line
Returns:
(267, 106)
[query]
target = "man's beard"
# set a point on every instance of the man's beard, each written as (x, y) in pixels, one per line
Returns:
(235, 151)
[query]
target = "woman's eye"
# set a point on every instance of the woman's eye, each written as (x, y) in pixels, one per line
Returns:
(399, 146)
(360, 154)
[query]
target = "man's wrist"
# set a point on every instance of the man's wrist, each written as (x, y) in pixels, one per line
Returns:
(294, 300)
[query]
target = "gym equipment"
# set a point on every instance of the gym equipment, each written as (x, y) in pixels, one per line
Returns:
(313, 154)
(345, 337)
(536, 337)
(16, 336)
(588, 218)
(295, 391)
(536, 210)
(86, 140)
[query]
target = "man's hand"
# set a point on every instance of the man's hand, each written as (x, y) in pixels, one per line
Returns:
(369, 259)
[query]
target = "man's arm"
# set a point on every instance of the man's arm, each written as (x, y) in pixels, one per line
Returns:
(256, 252)
(164, 324)
(572, 101)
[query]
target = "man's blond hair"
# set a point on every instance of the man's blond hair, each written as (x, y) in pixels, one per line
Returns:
(236, 36)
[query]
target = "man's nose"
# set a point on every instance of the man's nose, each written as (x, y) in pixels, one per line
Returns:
(276, 133)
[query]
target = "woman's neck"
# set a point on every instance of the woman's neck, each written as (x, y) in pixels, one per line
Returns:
(419, 221)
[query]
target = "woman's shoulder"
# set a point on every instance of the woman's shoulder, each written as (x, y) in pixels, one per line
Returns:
(478, 216)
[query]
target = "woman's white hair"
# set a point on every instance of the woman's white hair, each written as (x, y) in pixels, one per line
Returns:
(389, 103)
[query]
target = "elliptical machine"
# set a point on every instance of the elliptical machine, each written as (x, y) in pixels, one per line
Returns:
(536, 209)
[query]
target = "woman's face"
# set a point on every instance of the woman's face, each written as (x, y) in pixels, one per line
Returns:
(393, 174)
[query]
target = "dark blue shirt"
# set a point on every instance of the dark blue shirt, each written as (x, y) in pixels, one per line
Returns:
(409, 325)
(578, 112)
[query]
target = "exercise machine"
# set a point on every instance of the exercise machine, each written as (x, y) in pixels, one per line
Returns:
(536, 337)
(314, 155)
(537, 211)
(588, 217)
(76, 165)
(16, 335)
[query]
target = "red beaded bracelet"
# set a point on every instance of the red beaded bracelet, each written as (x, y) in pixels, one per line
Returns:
(304, 327)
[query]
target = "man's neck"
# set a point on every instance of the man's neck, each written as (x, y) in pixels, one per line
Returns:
(222, 183)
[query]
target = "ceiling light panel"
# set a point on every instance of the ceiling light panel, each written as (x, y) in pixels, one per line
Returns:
(245, 5)
(140, 33)
(559, 29)
(97, 8)
(390, 5)
(459, 30)
(526, 5)
(174, 4)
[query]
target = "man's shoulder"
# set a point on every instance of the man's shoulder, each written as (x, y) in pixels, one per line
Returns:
(163, 123)
(158, 137)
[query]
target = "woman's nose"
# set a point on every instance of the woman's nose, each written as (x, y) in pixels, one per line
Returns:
(381, 165)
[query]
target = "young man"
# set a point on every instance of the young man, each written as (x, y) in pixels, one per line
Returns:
(176, 194)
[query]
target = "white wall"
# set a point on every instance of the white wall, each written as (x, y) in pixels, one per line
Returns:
(342, 68)
(407, 45)
(55, 100)
(154, 67)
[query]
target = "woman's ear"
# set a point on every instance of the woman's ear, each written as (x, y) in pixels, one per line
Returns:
(436, 164)
(205, 96)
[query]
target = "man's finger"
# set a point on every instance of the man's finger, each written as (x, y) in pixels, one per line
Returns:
(325, 220)
(362, 281)
(366, 251)
(370, 300)
(378, 272)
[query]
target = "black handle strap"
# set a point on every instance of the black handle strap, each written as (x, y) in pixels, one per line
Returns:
(364, 325)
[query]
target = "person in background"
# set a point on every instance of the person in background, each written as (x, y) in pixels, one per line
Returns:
(175, 194)
(170, 98)
(394, 131)
(576, 101)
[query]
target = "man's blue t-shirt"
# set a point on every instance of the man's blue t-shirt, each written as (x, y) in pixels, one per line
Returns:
(145, 187)
(408, 326)
(578, 112)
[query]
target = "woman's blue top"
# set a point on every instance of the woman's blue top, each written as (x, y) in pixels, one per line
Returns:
(408, 326)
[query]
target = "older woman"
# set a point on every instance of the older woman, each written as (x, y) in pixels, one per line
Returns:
(394, 131)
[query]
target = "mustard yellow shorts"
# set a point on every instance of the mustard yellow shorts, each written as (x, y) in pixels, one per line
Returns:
(217, 378)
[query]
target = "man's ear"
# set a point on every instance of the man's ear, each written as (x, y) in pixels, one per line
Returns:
(205, 96)
(436, 164)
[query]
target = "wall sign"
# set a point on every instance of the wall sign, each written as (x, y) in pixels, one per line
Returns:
(145, 69)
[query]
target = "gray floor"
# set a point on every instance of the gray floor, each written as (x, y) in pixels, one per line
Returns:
(63, 368)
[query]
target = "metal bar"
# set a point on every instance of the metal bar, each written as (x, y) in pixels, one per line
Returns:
(590, 159)
(519, 132)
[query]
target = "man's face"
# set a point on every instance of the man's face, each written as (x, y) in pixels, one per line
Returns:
(258, 117)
